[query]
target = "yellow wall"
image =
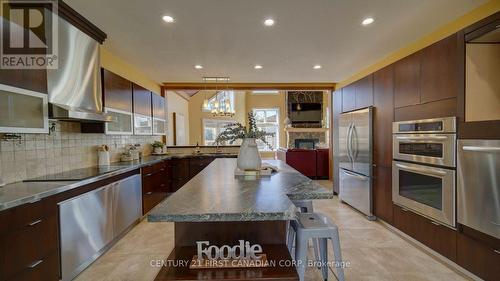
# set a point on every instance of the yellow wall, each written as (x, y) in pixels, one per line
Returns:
(117, 65)
(196, 115)
(177, 104)
(454, 26)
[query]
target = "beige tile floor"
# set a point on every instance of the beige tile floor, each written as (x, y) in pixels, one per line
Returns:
(372, 251)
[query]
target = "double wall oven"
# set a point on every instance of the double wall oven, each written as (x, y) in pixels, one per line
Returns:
(424, 165)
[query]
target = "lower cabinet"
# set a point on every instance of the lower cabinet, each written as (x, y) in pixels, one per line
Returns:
(196, 165)
(29, 242)
(179, 173)
(478, 257)
(435, 236)
(155, 185)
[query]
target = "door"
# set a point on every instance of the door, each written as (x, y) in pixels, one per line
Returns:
(361, 141)
(127, 203)
(355, 190)
(344, 155)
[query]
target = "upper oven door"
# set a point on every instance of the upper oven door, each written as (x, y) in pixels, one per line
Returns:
(437, 149)
(427, 190)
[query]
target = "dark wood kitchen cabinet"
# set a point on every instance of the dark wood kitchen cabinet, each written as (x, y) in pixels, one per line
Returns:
(155, 185)
(29, 242)
(358, 94)
(478, 257)
(30, 79)
(364, 92)
(348, 98)
(158, 103)
(196, 165)
(407, 81)
(179, 172)
(382, 193)
(142, 100)
(439, 70)
(383, 116)
(435, 236)
(117, 91)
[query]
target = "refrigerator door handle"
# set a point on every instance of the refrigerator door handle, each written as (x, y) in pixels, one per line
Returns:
(354, 147)
(490, 149)
(351, 174)
(349, 153)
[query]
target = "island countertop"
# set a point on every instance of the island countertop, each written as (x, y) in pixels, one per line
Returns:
(215, 194)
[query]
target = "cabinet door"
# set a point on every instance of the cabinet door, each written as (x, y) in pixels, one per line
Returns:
(158, 115)
(23, 111)
(407, 81)
(117, 91)
(348, 98)
(383, 101)
(382, 193)
(478, 257)
(435, 236)
(364, 92)
(196, 165)
(29, 79)
(142, 100)
(439, 70)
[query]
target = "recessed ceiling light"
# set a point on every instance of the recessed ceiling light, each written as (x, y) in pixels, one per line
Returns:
(168, 19)
(317, 66)
(367, 21)
(198, 66)
(258, 66)
(269, 22)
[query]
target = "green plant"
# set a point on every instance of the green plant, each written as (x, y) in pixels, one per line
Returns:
(236, 131)
(157, 144)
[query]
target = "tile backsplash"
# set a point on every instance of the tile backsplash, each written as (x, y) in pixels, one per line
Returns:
(64, 149)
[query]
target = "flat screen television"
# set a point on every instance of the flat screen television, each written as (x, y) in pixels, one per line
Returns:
(306, 112)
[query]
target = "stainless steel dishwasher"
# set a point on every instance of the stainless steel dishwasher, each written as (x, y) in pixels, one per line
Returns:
(90, 222)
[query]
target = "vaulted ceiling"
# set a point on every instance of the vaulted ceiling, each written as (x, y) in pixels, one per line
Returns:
(228, 37)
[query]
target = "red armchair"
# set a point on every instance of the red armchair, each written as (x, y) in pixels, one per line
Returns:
(313, 163)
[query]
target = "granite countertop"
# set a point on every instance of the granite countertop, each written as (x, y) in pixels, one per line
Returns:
(18, 193)
(215, 194)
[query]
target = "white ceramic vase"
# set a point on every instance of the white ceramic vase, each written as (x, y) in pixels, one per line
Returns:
(158, 150)
(249, 156)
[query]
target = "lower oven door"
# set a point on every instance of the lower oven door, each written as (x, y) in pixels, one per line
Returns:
(427, 190)
(436, 149)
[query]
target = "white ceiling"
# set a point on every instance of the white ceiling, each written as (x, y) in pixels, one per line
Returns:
(228, 37)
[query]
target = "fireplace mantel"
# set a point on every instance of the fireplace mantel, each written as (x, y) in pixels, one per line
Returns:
(306, 130)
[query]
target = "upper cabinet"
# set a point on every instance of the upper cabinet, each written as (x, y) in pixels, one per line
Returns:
(117, 99)
(407, 81)
(143, 121)
(23, 111)
(159, 115)
(358, 94)
(439, 70)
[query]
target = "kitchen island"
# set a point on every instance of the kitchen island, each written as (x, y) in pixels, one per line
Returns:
(218, 207)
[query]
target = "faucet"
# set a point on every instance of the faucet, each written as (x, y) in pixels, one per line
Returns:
(197, 149)
(217, 148)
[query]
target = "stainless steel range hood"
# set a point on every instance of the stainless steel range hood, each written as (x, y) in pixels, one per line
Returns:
(74, 88)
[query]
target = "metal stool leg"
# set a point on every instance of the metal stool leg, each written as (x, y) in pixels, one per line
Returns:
(316, 247)
(323, 249)
(338, 256)
(291, 240)
(301, 255)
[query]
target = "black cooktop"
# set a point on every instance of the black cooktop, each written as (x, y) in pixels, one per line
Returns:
(75, 175)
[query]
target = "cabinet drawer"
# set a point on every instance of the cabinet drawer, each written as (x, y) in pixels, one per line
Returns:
(478, 257)
(154, 182)
(151, 199)
(26, 246)
(18, 217)
(46, 269)
(437, 237)
(154, 168)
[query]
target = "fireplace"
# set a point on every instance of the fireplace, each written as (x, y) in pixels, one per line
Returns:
(306, 143)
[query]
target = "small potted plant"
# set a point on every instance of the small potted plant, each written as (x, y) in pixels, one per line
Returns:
(248, 156)
(157, 147)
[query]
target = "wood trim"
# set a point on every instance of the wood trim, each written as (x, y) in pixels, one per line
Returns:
(73, 17)
(174, 133)
(249, 86)
(470, 30)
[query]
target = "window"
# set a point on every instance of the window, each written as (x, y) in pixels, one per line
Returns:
(221, 96)
(267, 119)
(212, 128)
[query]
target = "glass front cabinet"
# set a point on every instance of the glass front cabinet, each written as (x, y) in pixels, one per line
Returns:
(23, 111)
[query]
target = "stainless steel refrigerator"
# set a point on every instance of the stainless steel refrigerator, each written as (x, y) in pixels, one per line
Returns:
(355, 160)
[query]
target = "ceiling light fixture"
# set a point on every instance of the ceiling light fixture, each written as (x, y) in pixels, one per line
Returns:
(367, 21)
(258, 66)
(269, 22)
(168, 19)
(198, 66)
(317, 66)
